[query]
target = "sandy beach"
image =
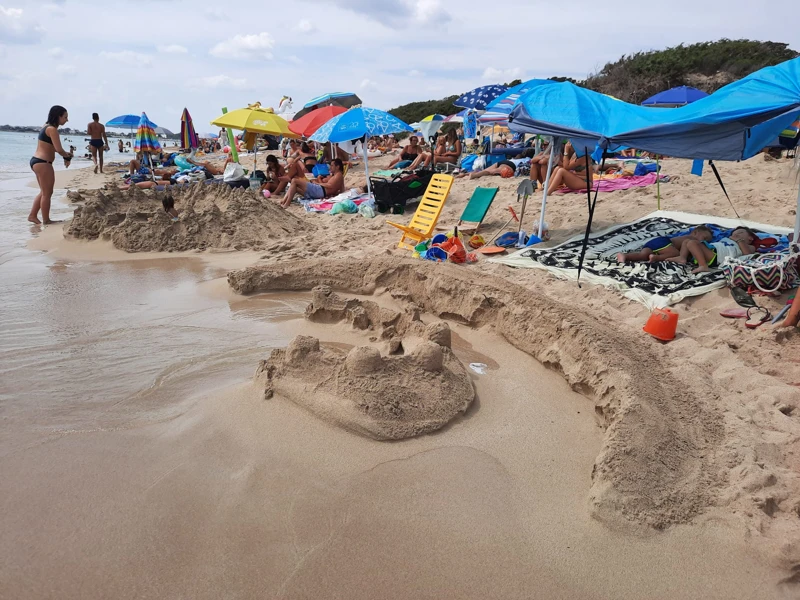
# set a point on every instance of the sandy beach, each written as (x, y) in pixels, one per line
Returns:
(593, 462)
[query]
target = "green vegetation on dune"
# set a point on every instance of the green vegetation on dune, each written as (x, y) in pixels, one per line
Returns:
(707, 66)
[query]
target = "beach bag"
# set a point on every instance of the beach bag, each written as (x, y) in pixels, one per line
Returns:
(400, 189)
(773, 272)
(233, 172)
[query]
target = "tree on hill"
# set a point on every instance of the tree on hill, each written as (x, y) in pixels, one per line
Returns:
(707, 66)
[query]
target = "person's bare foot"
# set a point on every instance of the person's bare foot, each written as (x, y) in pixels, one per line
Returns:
(51, 222)
(34, 219)
(95, 169)
(701, 270)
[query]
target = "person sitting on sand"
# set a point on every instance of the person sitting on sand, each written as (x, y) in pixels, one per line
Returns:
(410, 152)
(275, 174)
(708, 255)
(424, 158)
(452, 150)
(169, 207)
(294, 170)
(321, 187)
(662, 247)
(135, 166)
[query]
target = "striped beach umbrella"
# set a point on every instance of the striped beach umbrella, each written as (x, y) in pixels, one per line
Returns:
(146, 138)
(431, 124)
(188, 134)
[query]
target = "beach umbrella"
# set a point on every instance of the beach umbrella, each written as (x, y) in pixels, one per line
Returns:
(189, 137)
(431, 124)
(359, 123)
(130, 122)
(308, 124)
(146, 141)
(343, 99)
(674, 97)
(497, 110)
(480, 96)
(163, 131)
(255, 119)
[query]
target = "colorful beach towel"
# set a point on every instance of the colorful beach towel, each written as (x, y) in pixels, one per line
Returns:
(614, 183)
(327, 205)
(653, 284)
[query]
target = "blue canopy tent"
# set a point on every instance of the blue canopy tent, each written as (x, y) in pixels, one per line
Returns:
(674, 97)
(734, 123)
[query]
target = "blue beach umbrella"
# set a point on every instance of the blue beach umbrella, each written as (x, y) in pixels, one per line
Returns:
(357, 123)
(130, 122)
(674, 97)
(343, 99)
(480, 96)
(497, 110)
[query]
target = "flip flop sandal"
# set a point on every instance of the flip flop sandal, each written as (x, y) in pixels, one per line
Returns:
(756, 317)
(742, 298)
(734, 313)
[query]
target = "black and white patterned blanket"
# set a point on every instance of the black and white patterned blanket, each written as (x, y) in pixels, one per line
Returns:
(654, 284)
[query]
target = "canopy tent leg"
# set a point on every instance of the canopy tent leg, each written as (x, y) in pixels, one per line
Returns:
(592, 204)
(546, 184)
(797, 216)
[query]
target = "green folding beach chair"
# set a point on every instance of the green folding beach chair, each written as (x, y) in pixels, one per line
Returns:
(477, 207)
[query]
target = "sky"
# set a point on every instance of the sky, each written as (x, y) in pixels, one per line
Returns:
(127, 56)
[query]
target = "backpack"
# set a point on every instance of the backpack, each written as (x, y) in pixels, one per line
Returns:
(399, 189)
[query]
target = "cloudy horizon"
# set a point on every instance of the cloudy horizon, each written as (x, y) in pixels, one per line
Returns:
(123, 56)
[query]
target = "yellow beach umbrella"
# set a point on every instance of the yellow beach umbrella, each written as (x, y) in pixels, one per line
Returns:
(255, 119)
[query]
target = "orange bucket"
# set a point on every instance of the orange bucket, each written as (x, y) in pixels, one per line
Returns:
(662, 324)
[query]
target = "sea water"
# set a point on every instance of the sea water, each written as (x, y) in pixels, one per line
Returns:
(77, 338)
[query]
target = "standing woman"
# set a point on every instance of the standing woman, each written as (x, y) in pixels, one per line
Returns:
(42, 163)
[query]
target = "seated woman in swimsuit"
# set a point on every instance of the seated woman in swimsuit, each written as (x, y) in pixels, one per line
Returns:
(424, 158)
(573, 172)
(410, 152)
(275, 174)
(294, 170)
(318, 189)
(452, 150)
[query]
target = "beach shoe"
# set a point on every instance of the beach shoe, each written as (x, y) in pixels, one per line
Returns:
(756, 317)
(734, 313)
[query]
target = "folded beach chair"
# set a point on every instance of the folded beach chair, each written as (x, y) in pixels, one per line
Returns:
(427, 214)
(477, 207)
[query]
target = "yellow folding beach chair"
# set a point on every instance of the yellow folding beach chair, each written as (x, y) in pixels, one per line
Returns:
(427, 214)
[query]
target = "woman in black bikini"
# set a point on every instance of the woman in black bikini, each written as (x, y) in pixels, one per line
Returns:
(42, 163)
(410, 152)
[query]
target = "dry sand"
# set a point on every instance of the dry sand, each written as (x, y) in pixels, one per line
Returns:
(697, 439)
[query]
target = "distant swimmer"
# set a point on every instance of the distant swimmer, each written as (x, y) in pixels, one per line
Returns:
(98, 141)
(47, 145)
(120, 146)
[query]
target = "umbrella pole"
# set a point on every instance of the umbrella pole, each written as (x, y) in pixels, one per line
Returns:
(546, 184)
(366, 165)
(658, 184)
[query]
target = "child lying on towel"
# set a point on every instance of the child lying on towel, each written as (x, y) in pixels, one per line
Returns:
(663, 248)
(708, 255)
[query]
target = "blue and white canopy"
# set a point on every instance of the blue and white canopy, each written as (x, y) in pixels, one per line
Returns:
(480, 96)
(497, 110)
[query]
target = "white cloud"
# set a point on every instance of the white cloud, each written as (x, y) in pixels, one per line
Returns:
(173, 49)
(415, 73)
(66, 69)
(429, 11)
(368, 84)
(305, 26)
(15, 29)
(501, 75)
(217, 14)
(127, 57)
(222, 81)
(251, 46)
(404, 13)
(55, 9)
(56, 52)
(295, 60)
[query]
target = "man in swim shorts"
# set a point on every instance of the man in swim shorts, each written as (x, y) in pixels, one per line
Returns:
(663, 248)
(322, 187)
(98, 142)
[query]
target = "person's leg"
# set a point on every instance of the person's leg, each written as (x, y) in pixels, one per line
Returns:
(638, 256)
(562, 176)
(664, 254)
(100, 152)
(493, 170)
(47, 179)
(93, 152)
(282, 183)
(134, 166)
(298, 186)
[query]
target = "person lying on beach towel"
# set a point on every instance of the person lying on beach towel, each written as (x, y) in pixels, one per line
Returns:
(662, 248)
(319, 188)
(708, 255)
